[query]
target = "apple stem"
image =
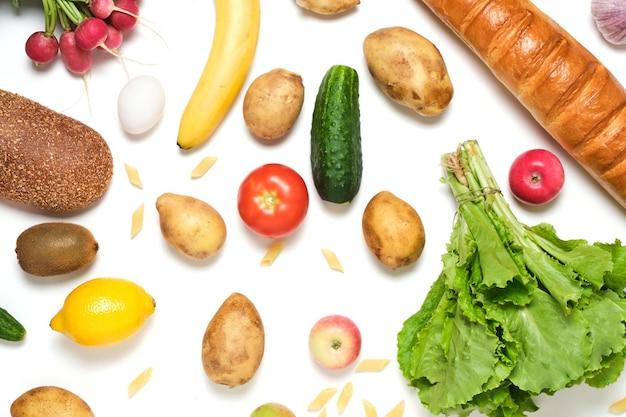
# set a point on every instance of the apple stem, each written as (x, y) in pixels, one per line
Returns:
(535, 178)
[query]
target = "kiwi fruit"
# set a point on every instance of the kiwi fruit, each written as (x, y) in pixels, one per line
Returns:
(55, 248)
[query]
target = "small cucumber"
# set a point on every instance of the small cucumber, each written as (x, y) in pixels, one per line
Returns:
(10, 328)
(336, 155)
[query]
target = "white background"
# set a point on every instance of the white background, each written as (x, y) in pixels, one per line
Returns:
(401, 153)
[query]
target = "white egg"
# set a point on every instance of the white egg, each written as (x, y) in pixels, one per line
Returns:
(141, 104)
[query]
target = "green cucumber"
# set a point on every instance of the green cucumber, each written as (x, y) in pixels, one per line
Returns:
(10, 328)
(336, 155)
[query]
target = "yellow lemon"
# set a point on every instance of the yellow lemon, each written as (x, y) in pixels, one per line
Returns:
(103, 311)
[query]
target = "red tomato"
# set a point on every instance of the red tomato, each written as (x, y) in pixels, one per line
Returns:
(273, 200)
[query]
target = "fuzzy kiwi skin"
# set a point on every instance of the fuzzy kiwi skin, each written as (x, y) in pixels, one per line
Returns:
(48, 160)
(55, 248)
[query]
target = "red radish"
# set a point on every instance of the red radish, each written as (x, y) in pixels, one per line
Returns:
(76, 60)
(114, 39)
(124, 16)
(41, 48)
(101, 8)
(91, 33)
(104, 8)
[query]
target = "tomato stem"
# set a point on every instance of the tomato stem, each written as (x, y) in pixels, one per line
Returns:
(270, 200)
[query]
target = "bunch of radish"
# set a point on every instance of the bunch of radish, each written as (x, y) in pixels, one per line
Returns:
(85, 26)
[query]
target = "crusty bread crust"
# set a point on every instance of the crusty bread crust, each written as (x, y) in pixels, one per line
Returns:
(563, 85)
(49, 160)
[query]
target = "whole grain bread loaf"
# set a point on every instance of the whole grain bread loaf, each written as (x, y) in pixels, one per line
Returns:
(49, 160)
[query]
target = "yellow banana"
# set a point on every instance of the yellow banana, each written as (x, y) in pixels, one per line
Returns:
(234, 44)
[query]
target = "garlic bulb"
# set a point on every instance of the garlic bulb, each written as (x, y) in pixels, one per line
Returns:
(610, 17)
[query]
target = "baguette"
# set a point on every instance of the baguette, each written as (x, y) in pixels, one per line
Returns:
(566, 89)
(48, 160)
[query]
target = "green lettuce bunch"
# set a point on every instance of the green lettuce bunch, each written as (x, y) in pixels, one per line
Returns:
(516, 311)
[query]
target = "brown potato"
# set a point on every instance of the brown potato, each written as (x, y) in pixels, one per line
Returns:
(191, 226)
(272, 103)
(234, 342)
(409, 69)
(327, 7)
(393, 230)
(55, 248)
(50, 401)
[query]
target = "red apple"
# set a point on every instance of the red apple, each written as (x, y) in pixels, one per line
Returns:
(335, 341)
(536, 177)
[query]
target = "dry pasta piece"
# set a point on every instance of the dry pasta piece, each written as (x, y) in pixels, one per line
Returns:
(332, 260)
(396, 411)
(372, 365)
(272, 253)
(203, 166)
(370, 410)
(618, 406)
(137, 222)
(322, 398)
(344, 397)
(139, 381)
(323, 413)
(133, 176)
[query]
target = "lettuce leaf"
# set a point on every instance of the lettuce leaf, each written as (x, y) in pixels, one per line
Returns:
(516, 311)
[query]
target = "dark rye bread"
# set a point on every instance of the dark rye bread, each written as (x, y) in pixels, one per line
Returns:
(49, 160)
(568, 91)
